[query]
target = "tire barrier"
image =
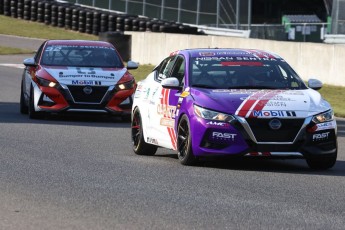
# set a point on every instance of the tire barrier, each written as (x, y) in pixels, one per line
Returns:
(47, 13)
(96, 23)
(128, 22)
(61, 16)
(33, 14)
(54, 15)
(40, 12)
(75, 19)
(1, 6)
(20, 9)
(27, 9)
(135, 24)
(112, 22)
(13, 8)
(68, 18)
(86, 20)
(104, 22)
(81, 21)
(7, 7)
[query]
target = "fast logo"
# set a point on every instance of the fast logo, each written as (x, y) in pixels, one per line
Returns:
(320, 136)
(224, 136)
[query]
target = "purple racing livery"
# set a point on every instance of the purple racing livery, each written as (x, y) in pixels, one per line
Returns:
(232, 102)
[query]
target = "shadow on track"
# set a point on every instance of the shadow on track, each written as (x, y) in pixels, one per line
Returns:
(9, 113)
(291, 166)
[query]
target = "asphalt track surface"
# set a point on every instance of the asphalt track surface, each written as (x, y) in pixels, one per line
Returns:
(80, 173)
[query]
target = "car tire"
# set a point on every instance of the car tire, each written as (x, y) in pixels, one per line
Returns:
(140, 147)
(32, 113)
(184, 142)
(24, 109)
(322, 162)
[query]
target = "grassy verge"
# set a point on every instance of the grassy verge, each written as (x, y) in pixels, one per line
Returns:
(11, 50)
(142, 71)
(24, 28)
(335, 95)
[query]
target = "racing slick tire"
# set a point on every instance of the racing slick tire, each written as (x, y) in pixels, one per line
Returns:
(32, 113)
(184, 142)
(322, 162)
(24, 109)
(140, 147)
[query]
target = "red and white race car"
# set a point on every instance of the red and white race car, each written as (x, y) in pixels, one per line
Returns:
(77, 76)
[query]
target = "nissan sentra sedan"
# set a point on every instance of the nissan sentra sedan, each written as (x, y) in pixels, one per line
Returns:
(232, 102)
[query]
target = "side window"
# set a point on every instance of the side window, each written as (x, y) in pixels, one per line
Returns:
(164, 68)
(179, 69)
(38, 53)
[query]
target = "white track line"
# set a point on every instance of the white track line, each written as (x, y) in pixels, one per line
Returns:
(19, 66)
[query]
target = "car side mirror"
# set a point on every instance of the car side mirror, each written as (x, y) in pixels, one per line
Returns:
(132, 65)
(171, 83)
(314, 84)
(29, 62)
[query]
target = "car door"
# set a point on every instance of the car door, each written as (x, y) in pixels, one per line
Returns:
(164, 101)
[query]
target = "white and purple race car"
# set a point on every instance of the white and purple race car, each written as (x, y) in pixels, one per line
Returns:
(232, 102)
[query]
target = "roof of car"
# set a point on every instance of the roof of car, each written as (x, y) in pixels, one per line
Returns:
(230, 52)
(79, 43)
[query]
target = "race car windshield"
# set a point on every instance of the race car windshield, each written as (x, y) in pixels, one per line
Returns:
(81, 56)
(222, 73)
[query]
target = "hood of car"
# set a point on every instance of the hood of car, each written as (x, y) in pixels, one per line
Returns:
(261, 103)
(86, 76)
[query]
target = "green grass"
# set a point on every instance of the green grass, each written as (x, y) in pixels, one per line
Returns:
(11, 26)
(24, 28)
(141, 72)
(335, 95)
(10, 50)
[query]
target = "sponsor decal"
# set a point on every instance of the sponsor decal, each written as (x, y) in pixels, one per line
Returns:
(152, 140)
(218, 124)
(224, 136)
(184, 94)
(86, 76)
(86, 82)
(206, 54)
(147, 94)
(275, 113)
(168, 122)
(222, 59)
(326, 125)
(320, 136)
(166, 110)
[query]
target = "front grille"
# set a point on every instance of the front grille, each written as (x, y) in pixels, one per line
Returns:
(95, 96)
(263, 132)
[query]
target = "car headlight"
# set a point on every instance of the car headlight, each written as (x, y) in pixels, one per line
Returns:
(125, 85)
(212, 115)
(44, 82)
(323, 117)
